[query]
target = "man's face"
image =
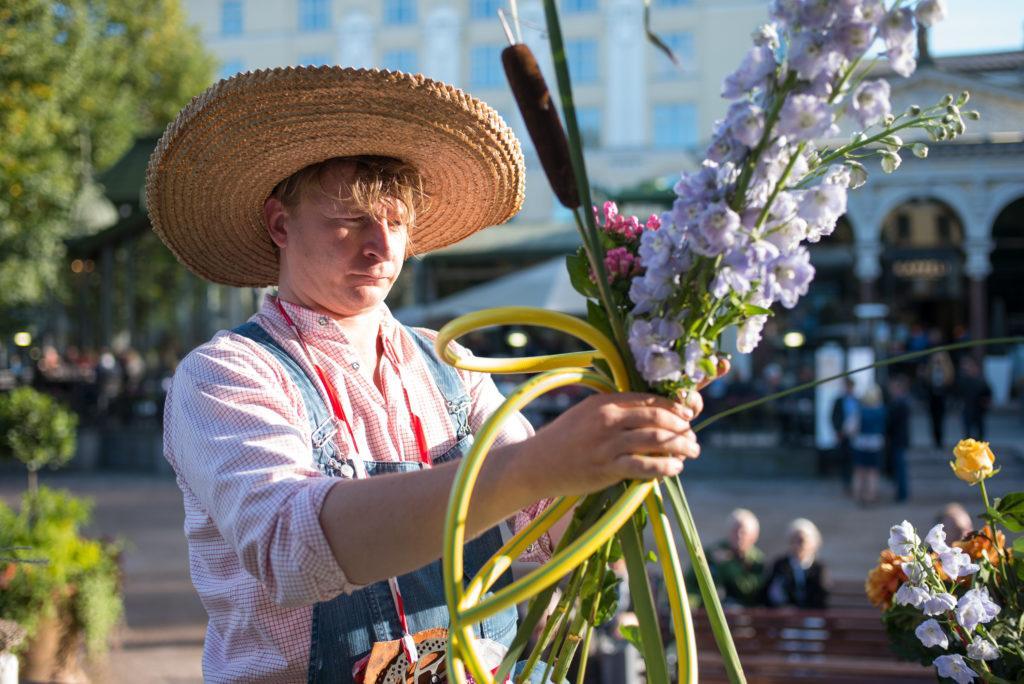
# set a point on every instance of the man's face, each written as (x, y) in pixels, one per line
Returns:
(743, 536)
(336, 257)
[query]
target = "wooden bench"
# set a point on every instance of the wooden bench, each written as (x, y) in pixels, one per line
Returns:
(839, 646)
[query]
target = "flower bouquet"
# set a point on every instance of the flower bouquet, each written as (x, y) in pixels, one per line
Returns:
(662, 292)
(958, 606)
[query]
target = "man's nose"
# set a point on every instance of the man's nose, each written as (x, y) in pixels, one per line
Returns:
(379, 236)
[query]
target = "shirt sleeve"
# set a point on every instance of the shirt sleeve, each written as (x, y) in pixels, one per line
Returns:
(241, 445)
(486, 399)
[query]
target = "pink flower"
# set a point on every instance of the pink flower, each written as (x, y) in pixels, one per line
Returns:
(619, 263)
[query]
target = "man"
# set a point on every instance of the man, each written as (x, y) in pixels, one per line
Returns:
(897, 434)
(736, 563)
(315, 446)
(976, 396)
(845, 421)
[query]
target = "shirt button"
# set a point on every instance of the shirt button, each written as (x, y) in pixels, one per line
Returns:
(355, 365)
(322, 320)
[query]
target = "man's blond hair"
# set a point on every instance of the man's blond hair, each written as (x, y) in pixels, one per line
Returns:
(380, 185)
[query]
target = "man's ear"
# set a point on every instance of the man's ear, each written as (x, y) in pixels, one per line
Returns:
(276, 218)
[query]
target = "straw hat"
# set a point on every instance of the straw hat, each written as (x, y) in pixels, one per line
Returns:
(220, 159)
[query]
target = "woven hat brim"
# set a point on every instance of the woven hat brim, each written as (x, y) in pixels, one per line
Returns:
(226, 151)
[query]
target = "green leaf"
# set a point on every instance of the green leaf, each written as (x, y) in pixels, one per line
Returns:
(1010, 510)
(631, 633)
(651, 556)
(755, 310)
(598, 318)
(579, 274)
(1018, 545)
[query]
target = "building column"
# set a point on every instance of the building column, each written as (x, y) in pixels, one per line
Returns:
(441, 41)
(867, 266)
(625, 56)
(977, 267)
(355, 41)
(106, 295)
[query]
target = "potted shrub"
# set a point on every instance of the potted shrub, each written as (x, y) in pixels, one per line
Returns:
(62, 588)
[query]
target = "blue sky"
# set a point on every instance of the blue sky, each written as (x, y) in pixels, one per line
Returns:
(980, 26)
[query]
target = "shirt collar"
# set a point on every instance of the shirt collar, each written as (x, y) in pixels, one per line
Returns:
(316, 325)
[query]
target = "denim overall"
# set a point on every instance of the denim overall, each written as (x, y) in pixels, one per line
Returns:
(346, 627)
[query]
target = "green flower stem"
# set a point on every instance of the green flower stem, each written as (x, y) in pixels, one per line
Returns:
(778, 186)
(708, 592)
(651, 645)
(878, 364)
(591, 240)
(747, 173)
(988, 507)
(558, 616)
(585, 655)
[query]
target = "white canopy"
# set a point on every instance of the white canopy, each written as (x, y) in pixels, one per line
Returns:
(545, 285)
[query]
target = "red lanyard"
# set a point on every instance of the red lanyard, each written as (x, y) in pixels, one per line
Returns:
(408, 644)
(332, 393)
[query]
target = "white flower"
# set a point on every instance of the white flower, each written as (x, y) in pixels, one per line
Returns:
(890, 161)
(956, 563)
(936, 538)
(974, 608)
(909, 595)
(954, 667)
(939, 604)
(931, 634)
(917, 571)
(930, 12)
(982, 649)
(902, 539)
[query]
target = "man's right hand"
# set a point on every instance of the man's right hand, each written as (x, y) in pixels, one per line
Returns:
(608, 438)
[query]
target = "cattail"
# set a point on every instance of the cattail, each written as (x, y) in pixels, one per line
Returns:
(542, 122)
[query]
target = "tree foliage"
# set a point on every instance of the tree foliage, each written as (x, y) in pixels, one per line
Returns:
(79, 80)
(36, 429)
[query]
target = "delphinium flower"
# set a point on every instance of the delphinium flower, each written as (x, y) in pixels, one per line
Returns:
(734, 243)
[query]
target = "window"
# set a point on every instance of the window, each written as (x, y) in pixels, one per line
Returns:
(672, 3)
(399, 12)
(675, 125)
(582, 58)
(400, 60)
(484, 9)
(589, 121)
(231, 18)
(681, 45)
(485, 67)
(231, 67)
(316, 59)
(579, 6)
(314, 15)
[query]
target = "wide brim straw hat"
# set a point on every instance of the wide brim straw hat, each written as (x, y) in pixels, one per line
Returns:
(223, 155)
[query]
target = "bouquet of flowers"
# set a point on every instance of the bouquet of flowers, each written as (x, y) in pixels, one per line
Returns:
(662, 292)
(958, 606)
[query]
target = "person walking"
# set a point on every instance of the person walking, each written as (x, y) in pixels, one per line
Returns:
(868, 447)
(976, 397)
(897, 434)
(938, 380)
(845, 422)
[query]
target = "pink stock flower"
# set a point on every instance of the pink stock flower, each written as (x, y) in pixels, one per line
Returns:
(619, 263)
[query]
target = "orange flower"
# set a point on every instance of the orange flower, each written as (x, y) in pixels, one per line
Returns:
(885, 579)
(978, 544)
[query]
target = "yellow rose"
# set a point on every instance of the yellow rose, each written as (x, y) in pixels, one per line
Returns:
(974, 461)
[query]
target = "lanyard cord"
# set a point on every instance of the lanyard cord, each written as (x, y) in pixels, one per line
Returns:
(408, 644)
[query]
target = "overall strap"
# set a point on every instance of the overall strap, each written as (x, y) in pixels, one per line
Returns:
(316, 409)
(447, 379)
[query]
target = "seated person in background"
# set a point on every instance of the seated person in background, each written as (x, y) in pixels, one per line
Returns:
(798, 579)
(736, 564)
(956, 521)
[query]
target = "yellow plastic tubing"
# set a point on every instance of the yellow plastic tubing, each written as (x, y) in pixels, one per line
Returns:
(469, 604)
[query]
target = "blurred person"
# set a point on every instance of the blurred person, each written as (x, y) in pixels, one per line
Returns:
(798, 578)
(956, 521)
(897, 434)
(845, 422)
(868, 446)
(938, 380)
(316, 445)
(976, 397)
(736, 564)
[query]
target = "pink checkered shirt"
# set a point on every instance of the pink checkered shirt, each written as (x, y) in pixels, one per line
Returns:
(237, 435)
